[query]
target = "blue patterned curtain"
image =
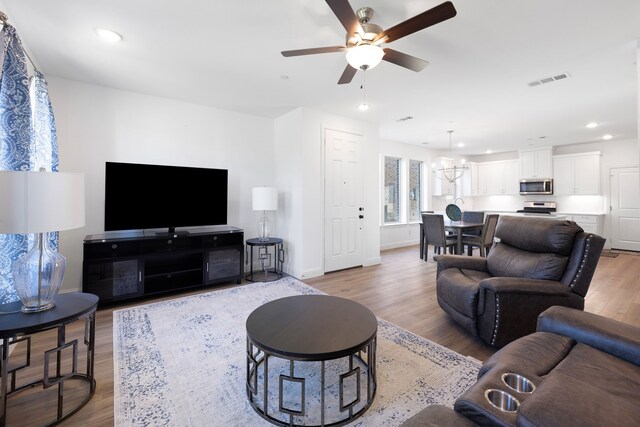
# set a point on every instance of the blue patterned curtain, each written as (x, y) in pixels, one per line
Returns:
(27, 139)
(44, 139)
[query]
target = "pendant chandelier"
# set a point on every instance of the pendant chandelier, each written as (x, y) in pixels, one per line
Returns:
(451, 173)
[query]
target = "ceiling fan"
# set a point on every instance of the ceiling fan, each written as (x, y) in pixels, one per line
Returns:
(363, 38)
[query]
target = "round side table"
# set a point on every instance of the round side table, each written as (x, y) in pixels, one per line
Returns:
(19, 327)
(271, 264)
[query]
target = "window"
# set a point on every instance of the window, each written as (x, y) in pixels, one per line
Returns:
(415, 190)
(391, 189)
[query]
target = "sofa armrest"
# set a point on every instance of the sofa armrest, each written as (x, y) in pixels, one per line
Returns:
(508, 307)
(460, 261)
(519, 285)
(608, 335)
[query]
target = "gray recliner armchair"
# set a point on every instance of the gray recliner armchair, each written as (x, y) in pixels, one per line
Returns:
(534, 264)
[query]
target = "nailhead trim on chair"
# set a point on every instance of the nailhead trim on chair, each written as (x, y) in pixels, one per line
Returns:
(584, 259)
(495, 327)
(575, 279)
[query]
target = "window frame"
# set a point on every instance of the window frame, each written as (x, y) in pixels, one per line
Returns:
(399, 192)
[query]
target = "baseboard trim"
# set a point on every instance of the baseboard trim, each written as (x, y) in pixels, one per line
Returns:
(399, 244)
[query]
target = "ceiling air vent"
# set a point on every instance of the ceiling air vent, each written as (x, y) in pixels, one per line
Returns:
(404, 119)
(548, 79)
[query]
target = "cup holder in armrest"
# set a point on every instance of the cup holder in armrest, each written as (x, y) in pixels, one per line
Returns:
(518, 383)
(501, 400)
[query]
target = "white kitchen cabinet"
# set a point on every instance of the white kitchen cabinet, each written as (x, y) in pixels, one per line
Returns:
(511, 177)
(536, 163)
(442, 187)
(589, 223)
(498, 178)
(576, 174)
(470, 180)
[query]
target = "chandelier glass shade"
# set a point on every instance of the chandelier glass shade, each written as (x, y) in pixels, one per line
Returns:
(364, 56)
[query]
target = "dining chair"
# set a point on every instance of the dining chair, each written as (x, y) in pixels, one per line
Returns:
(434, 235)
(472, 216)
(423, 243)
(485, 239)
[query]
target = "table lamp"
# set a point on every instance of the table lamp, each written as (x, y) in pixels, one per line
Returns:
(265, 199)
(40, 202)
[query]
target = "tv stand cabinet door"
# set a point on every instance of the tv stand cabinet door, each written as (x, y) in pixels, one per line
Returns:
(113, 279)
(223, 264)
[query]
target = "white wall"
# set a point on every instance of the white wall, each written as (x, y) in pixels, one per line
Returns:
(300, 138)
(97, 124)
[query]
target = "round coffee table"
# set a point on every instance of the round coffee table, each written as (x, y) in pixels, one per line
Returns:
(333, 341)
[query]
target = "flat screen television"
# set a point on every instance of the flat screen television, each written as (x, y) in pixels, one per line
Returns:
(139, 196)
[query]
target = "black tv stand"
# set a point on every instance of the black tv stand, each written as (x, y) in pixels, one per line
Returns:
(124, 265)
(172, 233)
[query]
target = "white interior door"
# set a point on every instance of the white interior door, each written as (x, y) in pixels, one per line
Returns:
(625, 209)
(343, 228)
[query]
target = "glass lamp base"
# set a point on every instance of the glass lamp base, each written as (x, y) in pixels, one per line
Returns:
(37, 275)
(264, 228)
(38, 308)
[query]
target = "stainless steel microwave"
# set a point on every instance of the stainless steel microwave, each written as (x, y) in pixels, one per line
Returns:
(536, 186)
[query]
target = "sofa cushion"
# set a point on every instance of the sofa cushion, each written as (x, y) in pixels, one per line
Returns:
(459, 288)
(588, 388)
(505, 260)
(537, 234)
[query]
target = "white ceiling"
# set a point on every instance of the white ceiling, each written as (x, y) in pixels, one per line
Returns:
(227, 55)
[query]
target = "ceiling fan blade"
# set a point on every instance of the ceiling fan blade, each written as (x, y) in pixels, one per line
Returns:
(345, 14)
(313, 51)
(347, 75)
(419, 22)
(404, 60)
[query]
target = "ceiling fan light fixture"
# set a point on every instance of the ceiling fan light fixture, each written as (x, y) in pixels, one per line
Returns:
(364, 56)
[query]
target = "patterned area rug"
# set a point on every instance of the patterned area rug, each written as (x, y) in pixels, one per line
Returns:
(182, 362)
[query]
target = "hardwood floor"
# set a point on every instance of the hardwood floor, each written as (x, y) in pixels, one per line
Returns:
(400, 290)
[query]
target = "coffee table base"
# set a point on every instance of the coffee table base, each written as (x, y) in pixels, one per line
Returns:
(259, 387)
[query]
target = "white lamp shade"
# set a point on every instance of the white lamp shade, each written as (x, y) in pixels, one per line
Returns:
(265, 199)
(40, 202)
(364, 55)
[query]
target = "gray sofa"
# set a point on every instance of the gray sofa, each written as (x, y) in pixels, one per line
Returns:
(585, 369)
(537, 263)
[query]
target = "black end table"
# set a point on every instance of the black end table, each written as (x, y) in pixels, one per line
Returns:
(271, 267)
(312, 328)
(19, 327)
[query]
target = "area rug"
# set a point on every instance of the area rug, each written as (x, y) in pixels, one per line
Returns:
(182, 362)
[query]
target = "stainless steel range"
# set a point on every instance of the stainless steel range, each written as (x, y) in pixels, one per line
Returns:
(539, 208)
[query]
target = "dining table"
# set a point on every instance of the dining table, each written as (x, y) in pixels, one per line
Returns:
(460, 227)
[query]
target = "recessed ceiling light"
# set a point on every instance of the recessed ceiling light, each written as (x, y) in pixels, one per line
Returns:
(607, 137)
(460, 144)
(489, 151)
(591, 125)
(363, 107)
(108, 35)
